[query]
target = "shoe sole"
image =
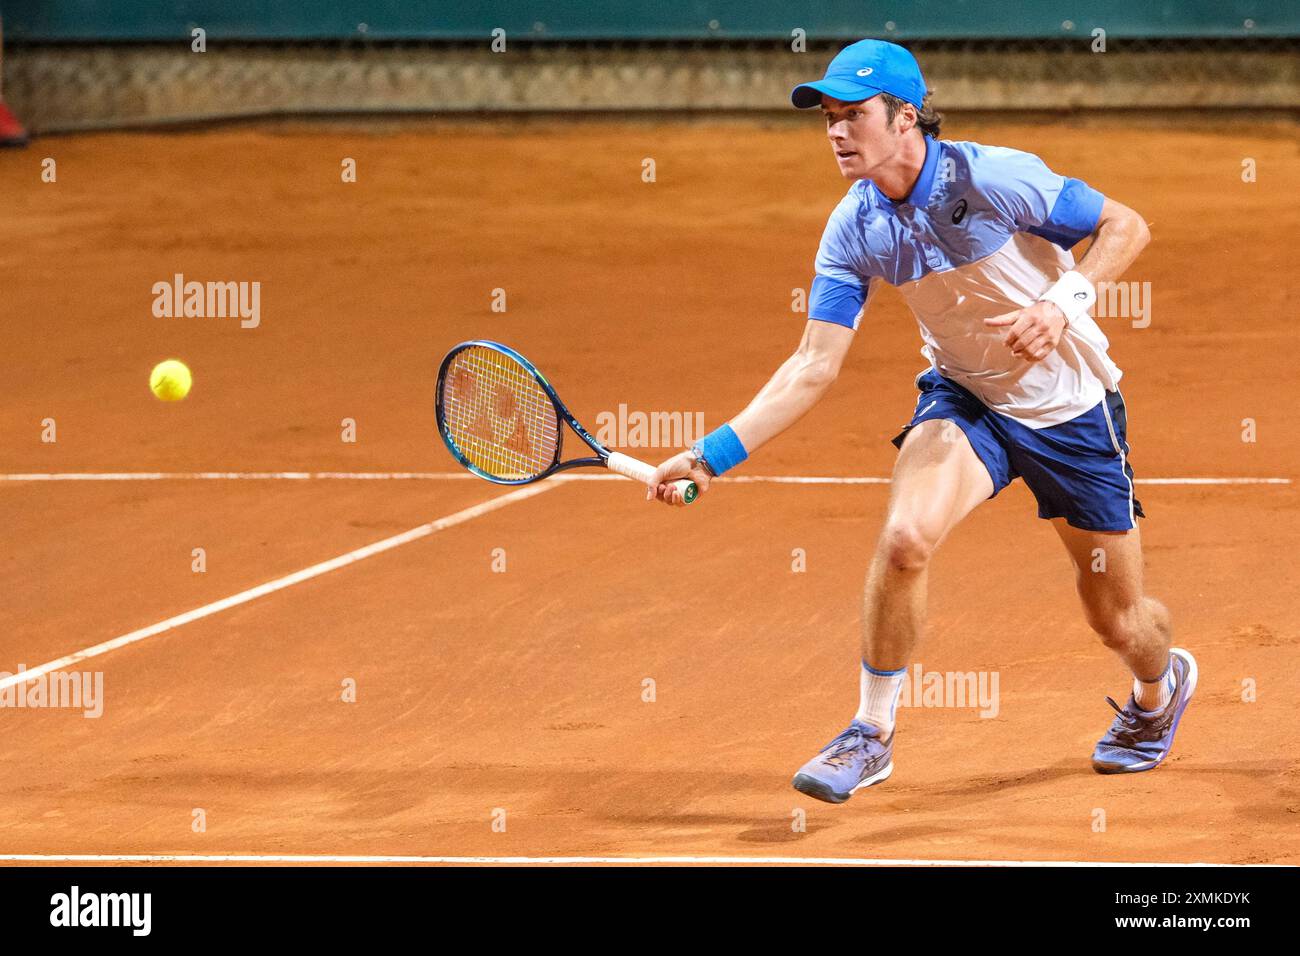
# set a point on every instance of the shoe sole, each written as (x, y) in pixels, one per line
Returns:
(819, 791)
(1189, 685)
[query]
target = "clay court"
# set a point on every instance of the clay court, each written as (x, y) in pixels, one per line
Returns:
(478, 690)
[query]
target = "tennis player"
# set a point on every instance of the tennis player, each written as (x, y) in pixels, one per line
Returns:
(1019, 385)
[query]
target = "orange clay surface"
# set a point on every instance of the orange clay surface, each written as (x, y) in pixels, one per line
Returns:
(523, 691)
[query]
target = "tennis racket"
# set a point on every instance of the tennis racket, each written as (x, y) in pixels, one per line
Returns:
(501, 419)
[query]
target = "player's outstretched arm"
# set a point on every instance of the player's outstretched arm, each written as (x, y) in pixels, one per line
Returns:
(796, 387)
(1121, 234)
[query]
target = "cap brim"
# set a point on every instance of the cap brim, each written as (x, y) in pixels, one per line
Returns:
(805, 96)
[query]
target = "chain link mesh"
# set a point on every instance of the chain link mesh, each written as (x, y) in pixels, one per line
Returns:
(79, 86)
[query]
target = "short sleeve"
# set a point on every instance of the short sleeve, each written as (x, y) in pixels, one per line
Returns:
(838, 289)
(1036, 200)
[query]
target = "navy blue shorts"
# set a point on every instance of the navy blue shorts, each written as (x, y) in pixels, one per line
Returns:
(1078, 470)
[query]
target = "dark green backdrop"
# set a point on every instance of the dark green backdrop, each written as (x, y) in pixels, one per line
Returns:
(52, 20)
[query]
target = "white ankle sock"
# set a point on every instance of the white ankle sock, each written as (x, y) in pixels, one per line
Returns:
(878, 697)
(1154, 696)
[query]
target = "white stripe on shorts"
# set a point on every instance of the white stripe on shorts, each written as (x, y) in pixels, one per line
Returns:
(1123, 460)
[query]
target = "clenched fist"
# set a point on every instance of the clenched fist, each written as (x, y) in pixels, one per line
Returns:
(681, 465)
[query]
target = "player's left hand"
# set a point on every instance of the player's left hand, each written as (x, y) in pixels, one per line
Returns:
(1032, 333)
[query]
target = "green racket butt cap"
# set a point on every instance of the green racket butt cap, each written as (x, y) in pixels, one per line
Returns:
(692, 492)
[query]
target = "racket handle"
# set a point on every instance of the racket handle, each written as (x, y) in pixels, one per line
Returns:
(630, 467)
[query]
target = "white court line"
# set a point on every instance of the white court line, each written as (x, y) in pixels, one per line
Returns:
(463, 476)
(270, 587)
(1212, 481)
(241, 476)
(378, 547)
(560, 860)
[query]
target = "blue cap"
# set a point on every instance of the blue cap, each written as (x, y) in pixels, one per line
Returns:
(863, 69)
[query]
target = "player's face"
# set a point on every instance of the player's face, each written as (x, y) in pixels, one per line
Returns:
(860, 138)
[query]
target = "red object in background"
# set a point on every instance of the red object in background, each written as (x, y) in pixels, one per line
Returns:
(11, 131)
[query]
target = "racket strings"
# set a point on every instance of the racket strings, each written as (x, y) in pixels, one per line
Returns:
(498, 415)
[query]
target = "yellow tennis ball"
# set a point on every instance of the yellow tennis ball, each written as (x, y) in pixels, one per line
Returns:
(170, 380)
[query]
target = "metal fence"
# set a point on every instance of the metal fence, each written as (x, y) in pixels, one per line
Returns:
(85, 86)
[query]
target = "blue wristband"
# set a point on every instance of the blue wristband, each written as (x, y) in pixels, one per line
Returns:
(722, 449)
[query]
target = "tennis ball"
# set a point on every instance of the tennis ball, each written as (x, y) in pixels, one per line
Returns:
(170, 380)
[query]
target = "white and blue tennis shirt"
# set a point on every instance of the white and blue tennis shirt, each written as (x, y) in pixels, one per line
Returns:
(986, 230)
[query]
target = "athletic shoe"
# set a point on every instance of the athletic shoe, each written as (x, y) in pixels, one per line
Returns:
(11, 131)
(855, 759)
(1139, 741)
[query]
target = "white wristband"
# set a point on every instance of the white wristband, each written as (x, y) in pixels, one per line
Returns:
(1073, 294)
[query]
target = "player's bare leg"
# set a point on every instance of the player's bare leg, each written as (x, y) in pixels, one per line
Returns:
(1108, 574)
(938, 480)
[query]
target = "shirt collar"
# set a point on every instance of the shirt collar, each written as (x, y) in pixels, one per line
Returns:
(920, 194)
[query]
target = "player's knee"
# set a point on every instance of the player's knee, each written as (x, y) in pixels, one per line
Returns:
(1117, 625)
(905, 546)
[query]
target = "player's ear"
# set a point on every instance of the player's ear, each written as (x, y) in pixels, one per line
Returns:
(907, 118)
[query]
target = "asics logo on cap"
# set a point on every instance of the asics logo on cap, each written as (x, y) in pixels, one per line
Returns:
(862, 70)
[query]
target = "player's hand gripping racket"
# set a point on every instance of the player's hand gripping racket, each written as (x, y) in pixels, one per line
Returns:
(500, 418)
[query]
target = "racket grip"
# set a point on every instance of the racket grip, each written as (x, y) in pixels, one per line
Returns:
(637, 470)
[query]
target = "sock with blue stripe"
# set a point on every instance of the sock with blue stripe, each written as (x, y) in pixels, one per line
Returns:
(1154, 696)
(878, 697)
